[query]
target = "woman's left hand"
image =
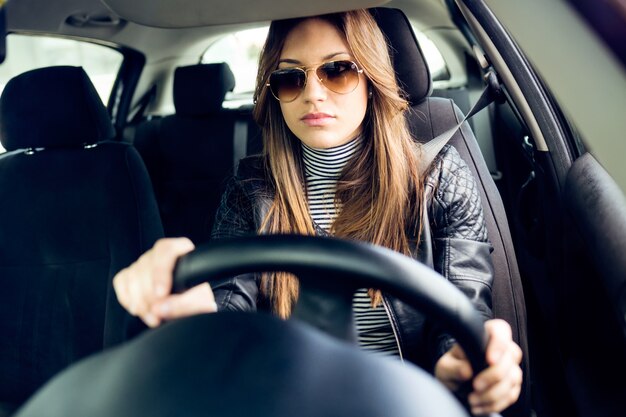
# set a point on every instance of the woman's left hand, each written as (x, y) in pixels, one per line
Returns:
(496, 387)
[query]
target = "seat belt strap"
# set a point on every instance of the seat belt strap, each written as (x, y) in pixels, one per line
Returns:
(240, 141)
(491, 93)
(143, 103)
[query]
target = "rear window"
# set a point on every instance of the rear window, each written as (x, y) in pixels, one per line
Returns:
(25, 52)
(434, 59)
(240, 50)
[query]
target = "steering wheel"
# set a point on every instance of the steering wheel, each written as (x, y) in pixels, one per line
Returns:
(337, 268)
(231, 364)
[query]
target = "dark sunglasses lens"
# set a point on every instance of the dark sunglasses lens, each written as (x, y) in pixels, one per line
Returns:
(287, 84)
(339, 76)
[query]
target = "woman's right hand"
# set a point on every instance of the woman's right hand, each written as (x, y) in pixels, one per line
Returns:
(144, 288)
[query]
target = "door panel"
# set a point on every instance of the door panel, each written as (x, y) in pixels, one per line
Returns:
(592, 291)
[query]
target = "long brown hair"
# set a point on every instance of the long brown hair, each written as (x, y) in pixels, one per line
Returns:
(379, 191)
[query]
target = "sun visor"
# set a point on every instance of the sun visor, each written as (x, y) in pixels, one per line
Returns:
(195, 13)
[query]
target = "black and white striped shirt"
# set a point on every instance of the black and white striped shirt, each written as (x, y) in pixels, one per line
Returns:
(322, 169)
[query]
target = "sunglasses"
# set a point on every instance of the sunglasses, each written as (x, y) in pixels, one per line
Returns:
(341, 77)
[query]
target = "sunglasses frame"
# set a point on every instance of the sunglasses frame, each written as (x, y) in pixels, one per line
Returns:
(314, 68)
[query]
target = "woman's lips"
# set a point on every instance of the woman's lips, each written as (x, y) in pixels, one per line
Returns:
(317, 119)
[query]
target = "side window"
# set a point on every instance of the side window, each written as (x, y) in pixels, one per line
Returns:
(25, 52)
(241, 52)
(434, 59)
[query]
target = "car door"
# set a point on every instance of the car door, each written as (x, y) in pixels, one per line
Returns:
(567, 215)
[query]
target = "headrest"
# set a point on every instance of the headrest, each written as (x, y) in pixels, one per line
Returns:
(407, 57)
(52, 107)
(200, 89)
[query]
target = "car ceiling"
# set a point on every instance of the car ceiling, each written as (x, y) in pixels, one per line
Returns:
(166, 13)
(112, 20)
(143, 24)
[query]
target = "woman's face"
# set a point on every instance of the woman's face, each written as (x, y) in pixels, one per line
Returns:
(320, 117)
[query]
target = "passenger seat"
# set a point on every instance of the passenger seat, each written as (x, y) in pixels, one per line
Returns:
(190, 154)
(76, 208)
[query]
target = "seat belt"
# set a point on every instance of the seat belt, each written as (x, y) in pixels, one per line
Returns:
(430, 150)
(491, 93)
(142, 104)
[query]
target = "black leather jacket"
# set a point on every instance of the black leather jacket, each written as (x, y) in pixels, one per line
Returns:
(456, 247)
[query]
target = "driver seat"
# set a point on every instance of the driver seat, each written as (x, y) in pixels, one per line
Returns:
(430, 116)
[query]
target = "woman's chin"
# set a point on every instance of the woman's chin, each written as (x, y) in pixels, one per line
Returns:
(325, 140)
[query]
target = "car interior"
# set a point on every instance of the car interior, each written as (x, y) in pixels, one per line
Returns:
(189, 185)
(282, 351)
(89, 186)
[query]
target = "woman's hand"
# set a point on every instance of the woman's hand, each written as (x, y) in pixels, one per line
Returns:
(496, 387)
(144, 288)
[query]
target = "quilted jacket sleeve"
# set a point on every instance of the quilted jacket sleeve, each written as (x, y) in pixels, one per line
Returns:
(461, 249)
(234, 219)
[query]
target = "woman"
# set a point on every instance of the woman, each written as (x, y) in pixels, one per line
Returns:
(339, 160)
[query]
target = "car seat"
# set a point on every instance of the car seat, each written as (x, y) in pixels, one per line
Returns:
(190, 154)
(75, 210)
(431, 116)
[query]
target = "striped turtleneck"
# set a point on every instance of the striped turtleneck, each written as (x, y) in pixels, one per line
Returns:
(322, 169)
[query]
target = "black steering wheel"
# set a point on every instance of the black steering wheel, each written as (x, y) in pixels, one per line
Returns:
(231, 364)
(337, 268)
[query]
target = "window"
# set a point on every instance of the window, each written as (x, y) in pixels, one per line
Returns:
(434, 59)
(241, 51)
(25, 53)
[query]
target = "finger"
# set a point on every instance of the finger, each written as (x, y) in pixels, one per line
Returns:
(163, 259)
(500, 405)
(462, 367)
(148, 279)
(122, 291)
(196, 300)
(500, 335)
(150, 320)
(127, 286)
(512, 378)
(137, 304)
(151, 279)
(457, 352)
(120, 287)
(498, 386)
(499, 396)
(453, 368)
(509, 362)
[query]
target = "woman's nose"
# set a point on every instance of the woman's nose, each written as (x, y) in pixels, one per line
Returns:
(314, 90)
